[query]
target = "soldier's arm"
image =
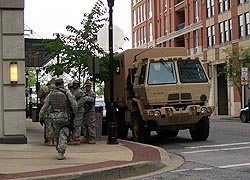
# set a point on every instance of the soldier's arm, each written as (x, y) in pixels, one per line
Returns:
(72, 101)
(44, 108)
(91, 97)
(81, 101)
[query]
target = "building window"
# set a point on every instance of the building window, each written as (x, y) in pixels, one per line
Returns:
(196, 45)
(166, 24)
(150, 31)
(241, 28)
(226, 29)
(144, 34)
(221, 32)
(247, 20)
(149, 8)
(134, 18)
(210, 8)
(211, 36)
(220, 6)
(196, 11)
(135, 38)
(230, 29)
(165, 5)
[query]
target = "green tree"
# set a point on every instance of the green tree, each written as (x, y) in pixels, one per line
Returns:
(74, 50)
(237, 58)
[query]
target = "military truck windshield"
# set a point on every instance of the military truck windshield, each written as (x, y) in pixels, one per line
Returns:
(162, 72)
(191, 71)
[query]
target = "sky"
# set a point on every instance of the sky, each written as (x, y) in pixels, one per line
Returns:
(46, 17)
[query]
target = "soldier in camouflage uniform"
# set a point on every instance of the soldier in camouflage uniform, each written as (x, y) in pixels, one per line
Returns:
(60, 101)
(89, 120)
(80, 99)
(49, 136)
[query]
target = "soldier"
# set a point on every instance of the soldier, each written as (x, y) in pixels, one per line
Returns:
(89, 120)
(70, 87)
(49, 136)
(80, 99)
(60, 101)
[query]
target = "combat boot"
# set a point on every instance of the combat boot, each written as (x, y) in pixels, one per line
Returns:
(74, 142)
(49, 143)
(92, 141)
(84, 140)
(61, 156)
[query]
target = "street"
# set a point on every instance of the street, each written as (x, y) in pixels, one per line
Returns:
(225, 155)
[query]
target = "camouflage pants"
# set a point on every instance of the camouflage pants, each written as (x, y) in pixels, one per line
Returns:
(89, 125)
(48, 130)
(77, 126)
(61, 135)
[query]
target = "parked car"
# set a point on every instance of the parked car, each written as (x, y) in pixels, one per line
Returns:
(99, 102)
(244, 113)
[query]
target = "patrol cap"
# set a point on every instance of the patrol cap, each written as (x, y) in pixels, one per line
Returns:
(58, 81)
(70, 84)
(75, 82)
(87, 84)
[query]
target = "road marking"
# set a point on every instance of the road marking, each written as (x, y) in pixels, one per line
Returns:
(210, 168)
(215, 150)
(234, 165)
(218, 145)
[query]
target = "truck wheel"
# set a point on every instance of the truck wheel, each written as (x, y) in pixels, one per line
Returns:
(140, 133)
(168, 133)
(243, 117)
(201, 130)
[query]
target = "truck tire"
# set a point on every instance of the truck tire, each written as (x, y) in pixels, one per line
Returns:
(201, 130)
(168, 133)
(243, 117)
(140, 133)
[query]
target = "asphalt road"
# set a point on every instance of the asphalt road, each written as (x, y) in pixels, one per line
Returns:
(224, 156)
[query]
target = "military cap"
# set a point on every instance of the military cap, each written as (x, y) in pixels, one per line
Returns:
(87, 84)
(59, 80)
(70, 84)
(75, 82)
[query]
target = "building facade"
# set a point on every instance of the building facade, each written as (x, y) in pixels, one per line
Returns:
(204, 28)
(12, 80)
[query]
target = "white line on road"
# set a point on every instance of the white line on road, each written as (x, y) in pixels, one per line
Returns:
(218, 145)
(215, 150)
(210, 168)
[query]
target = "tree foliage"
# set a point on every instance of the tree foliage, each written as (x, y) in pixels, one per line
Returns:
(73, 50)
(237, 58)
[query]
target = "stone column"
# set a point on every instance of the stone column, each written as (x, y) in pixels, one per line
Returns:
(12, 96)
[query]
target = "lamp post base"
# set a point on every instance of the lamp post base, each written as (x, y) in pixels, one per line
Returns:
(112, 137)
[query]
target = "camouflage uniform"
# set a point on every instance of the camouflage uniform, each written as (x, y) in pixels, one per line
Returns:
(49, 135)
(59, 102)
(89, 120)
(80, 99)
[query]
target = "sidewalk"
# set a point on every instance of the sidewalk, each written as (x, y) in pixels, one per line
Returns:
(87, 161)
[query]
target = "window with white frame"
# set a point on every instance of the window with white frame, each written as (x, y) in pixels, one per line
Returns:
(210, 8)
(144, 34)
(230, 29)
(139, 36)
(166, 24)
(135, 40)
(196, 42)
(241, 26)
(221, 25)
(138, 14)
(247, 20)
(134, 18)
(149, 8)
(220, 6)
(226, 31)
(150, 31)
(211, 36)
(196, 11)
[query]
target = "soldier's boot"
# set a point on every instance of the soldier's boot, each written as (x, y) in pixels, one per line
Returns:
(61, 156)
(84, 140)
(92, 141)
(54, 143)
(73, 142)
(49, 143)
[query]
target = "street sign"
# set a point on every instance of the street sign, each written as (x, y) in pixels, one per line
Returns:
(244, 76)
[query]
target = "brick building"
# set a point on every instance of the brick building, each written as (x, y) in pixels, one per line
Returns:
(204, 28)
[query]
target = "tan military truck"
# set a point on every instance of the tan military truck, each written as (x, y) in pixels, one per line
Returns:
(162, 90)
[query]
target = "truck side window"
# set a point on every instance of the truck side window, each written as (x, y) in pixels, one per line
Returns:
(142, 74)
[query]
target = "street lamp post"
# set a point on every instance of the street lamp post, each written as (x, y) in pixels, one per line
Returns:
(112, 132)
(37, 89)
(26, 92)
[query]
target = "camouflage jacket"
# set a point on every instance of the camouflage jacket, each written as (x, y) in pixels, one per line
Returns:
(80, 99)
(89, 105)
(58, 103)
